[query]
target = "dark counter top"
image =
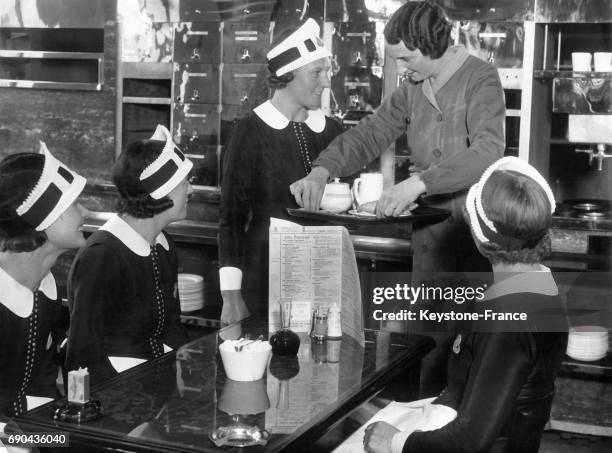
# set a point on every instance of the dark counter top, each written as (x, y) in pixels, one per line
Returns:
(200, 232)
(173, 403)
(395, 245)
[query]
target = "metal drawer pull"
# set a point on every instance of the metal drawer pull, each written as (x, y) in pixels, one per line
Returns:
(245, 55)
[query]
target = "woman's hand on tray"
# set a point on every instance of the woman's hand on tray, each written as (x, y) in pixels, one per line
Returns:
(395, 200)
(369, 209)
(308, 191)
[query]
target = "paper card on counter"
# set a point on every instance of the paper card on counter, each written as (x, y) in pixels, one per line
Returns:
(121, 364)
(418, 415)
(35, 401)
(315, 264)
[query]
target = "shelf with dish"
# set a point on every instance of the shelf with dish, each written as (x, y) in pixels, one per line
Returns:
(567, 73)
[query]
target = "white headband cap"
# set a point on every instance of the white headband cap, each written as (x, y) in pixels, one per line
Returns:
(473, 202)
(168, 169)
(57, 188)
(301, 47)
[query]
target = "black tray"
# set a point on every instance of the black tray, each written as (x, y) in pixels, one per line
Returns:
(420, 215)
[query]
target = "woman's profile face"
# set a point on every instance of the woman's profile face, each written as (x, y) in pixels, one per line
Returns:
(66, 232)
(308, 83)
(179, 196)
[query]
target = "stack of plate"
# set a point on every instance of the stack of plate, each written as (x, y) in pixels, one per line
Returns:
(587, 343)
(191, 292)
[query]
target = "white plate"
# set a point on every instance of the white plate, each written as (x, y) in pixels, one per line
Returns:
(588, 331)
(190, 292)
(190, 278)
(587, 357)
(361, 214)
(369, 215)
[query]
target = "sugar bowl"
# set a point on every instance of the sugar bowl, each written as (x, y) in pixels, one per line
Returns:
(337, 197)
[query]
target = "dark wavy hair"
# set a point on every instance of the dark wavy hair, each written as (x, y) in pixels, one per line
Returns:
(275, 81)
(519, 208)
(420, 25)
(19, 173)
(134, 200)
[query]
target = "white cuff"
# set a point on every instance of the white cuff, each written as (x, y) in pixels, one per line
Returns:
(230, 278)
(398, 441)
(2, 425)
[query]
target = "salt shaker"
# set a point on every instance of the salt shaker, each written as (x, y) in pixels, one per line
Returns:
(334, 322)
(319, 325)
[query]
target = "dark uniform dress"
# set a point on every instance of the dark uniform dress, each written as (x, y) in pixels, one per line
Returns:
(501, 383)
(123, 297)
(266, 153)
(28, 344)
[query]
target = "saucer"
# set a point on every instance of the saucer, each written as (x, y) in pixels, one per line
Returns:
(370, 215)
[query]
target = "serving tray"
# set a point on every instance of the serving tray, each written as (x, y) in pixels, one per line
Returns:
(420, 215)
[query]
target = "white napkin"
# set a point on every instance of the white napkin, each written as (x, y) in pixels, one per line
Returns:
(35, 401)
(120, 364)
(418, 415)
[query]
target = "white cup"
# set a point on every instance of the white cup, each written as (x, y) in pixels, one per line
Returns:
(603, 61)
(581, 61)
(368, 187)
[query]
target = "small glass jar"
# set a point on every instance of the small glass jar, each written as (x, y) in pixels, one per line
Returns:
(285, 341)
(319, 325)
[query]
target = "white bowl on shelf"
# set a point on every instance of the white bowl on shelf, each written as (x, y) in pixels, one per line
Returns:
(587, 343)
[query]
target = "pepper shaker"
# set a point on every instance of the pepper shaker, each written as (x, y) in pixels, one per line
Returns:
(334, 322)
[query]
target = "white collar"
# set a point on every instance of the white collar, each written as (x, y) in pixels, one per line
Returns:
(18, 298)
(540, 282)
(130, 237)
(277, 120)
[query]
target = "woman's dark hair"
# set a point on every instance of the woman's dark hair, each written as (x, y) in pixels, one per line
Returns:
(282, 81)
(134, 200)
(19, 173)
(420, 25)
(276, 82)
(519, 208)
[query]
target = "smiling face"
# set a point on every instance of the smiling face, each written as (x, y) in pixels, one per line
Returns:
(411, 63)
(66, 232)
(308, 83)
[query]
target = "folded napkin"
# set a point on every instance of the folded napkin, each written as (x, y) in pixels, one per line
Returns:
(418, 415)
(121, 364)
(35, 401)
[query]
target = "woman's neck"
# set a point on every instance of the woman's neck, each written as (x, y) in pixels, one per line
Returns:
(285, 105)
(29, 268)
(501, 270)
(148, 228)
